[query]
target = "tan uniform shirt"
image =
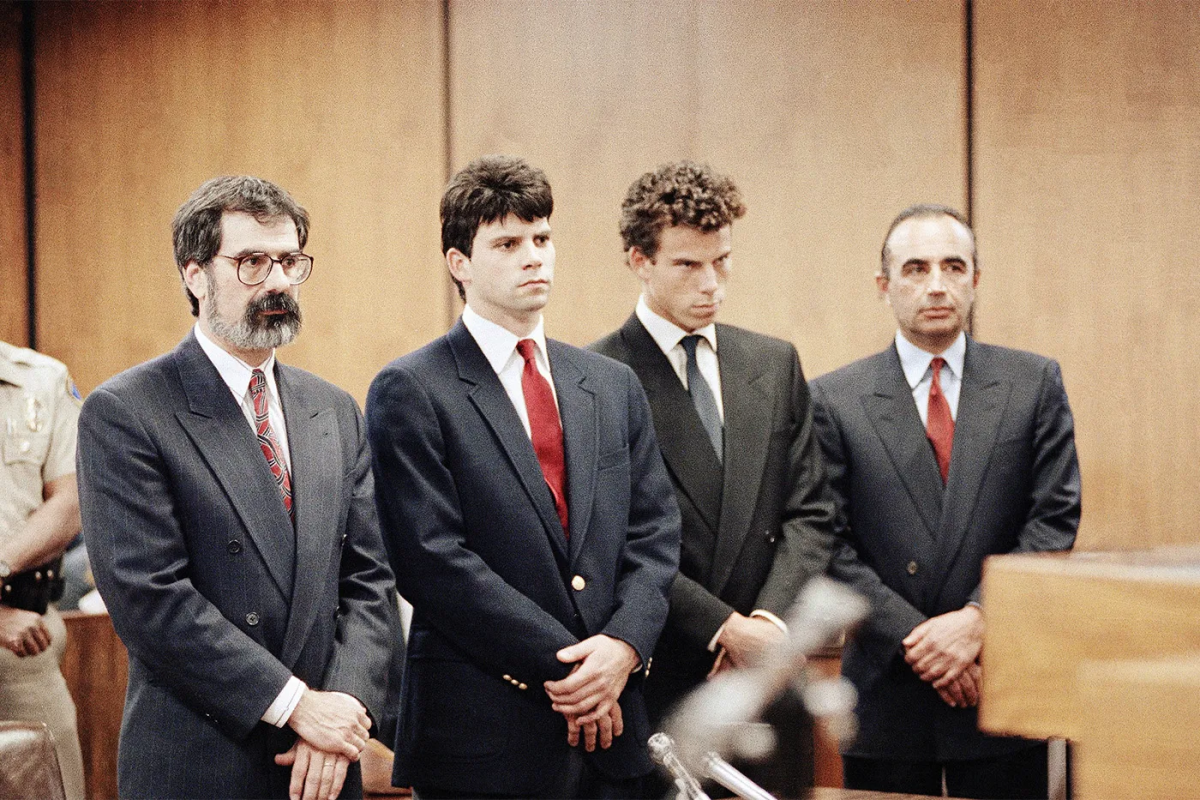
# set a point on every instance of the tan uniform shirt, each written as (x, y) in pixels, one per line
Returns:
(39, 408)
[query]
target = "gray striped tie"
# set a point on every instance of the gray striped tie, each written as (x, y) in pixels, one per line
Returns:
(702, 398)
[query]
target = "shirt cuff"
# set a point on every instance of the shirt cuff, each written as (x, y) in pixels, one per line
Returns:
(712, 643)
(280, 710)
(771, 618)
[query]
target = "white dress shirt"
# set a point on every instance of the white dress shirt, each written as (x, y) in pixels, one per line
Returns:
(915, 363)
(668, 336)
(499, 346)
(236, 374)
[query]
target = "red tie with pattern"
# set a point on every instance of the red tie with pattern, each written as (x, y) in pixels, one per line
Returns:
(939, 425)
(545, 429)
(267, 440)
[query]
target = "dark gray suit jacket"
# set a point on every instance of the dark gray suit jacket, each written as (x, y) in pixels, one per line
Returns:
(218, 599)
(496, 587)
(916, 548)
(754, 529)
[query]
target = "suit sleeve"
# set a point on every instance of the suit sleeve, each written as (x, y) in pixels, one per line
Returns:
(422, 521)
(651, 554)
(141, 565)
(892, 617)
(806, 538)
(1056, 504)
(368, 624)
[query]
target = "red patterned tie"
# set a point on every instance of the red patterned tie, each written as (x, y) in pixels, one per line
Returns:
(267, 440)
(545, 429)
(939, 425)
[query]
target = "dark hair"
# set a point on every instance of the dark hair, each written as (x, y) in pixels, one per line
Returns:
(924, 211)
(679, 193)
(196, 229)
(489, 189)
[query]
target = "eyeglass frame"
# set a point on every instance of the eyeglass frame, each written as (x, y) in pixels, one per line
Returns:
(237, 262)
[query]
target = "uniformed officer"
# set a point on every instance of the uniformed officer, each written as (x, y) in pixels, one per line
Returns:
(39, 516)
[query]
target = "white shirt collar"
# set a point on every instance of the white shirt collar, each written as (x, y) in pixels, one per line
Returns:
(235, 372)
(915, 361)
(666, 333)
(498, 343)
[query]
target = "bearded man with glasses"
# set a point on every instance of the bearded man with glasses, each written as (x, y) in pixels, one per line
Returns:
(229, 511)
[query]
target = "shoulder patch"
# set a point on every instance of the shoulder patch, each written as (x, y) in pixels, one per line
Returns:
(73, 391)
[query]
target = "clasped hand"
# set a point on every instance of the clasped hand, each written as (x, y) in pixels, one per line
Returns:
(588, 696)
(743, 642)
(944, 651)
(23, 632)
(333, 729)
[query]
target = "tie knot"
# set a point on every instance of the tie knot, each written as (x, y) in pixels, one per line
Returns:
(937, 364)
(527, 348)
(689, 345)
(258, 382)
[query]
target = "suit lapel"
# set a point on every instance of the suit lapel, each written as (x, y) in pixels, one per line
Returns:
(577, 408)
(488, 396)
(981, 404)
(681, 436)
(746, 395)
(891, 409)
(219, 430)
(314, 444)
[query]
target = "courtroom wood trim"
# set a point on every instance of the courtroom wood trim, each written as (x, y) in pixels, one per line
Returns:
(95, 666)
(14, 255)
(1048, 614)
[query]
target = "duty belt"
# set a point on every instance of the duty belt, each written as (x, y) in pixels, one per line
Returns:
(34, 589)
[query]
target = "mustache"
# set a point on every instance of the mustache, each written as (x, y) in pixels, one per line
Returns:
(274, 302)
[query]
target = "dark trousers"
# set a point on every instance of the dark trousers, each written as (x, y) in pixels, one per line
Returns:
(578, 780)
(1020, 776)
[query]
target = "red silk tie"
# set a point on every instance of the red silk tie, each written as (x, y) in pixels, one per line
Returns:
(545, 429)
(267, 440)
(939, 425)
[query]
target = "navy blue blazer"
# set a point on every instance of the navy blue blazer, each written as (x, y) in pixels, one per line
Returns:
(214, 593)
(497, 588)
(914, 548)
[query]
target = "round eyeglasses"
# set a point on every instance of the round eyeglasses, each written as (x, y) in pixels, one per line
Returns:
(253, 268)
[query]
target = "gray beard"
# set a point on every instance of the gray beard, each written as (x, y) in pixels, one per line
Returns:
(255, 331)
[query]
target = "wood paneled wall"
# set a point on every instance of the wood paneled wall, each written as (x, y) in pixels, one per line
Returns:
(14, 306)
(138, 103)
(1088, 214)
(830, 116)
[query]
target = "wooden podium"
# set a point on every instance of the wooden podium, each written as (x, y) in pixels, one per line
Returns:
(1102, 649)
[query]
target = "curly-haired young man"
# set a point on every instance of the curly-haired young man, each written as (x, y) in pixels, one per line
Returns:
(731, 409)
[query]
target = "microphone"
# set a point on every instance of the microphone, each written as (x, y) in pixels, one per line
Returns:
(733, 779)
(714, 717)
(662, 750)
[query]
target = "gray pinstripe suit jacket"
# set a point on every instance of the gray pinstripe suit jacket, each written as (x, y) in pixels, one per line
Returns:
(215, 594)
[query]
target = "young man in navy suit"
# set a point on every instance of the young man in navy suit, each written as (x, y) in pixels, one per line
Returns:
(941, 451)
(530, 520)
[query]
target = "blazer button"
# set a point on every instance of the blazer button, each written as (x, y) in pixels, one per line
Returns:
(577, 583)
(507, 678)
(252, 619)
(522, 686)
(234, 547)
(912, 568)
